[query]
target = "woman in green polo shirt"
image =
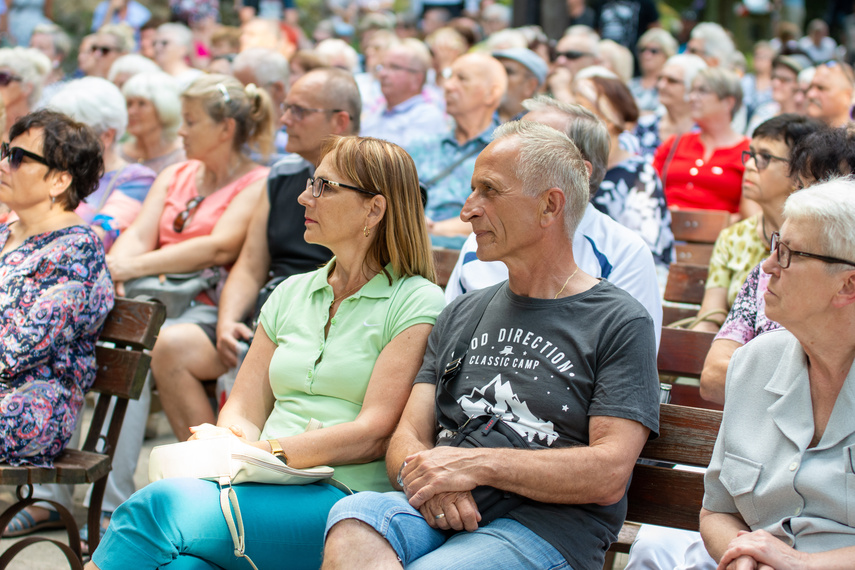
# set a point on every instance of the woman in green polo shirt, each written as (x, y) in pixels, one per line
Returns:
(340, 345)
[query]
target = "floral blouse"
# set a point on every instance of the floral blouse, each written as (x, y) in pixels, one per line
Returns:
(55, 293)
(631, 193)
(747, 318)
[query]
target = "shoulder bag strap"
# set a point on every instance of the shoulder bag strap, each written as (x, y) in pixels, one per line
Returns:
(669, 159)
(452, 369)
(448, 169)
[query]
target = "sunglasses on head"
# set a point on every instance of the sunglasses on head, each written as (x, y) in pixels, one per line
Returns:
(572, 54)
(16, 154)
(103, 49)
(6, 78)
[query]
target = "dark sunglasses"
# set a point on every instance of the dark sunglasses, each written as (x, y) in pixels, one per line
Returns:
(652, 50)
(181, 219)
(785, 254)
(572, 54)
(103, 49)
(16, 154)
(6, 78)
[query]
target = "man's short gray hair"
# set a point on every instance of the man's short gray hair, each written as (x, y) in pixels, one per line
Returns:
(61, 40)
(267, 66)
(830, 209)
(330, 49)
(31, 65)
(717, 42)
(95, 102)
(547, 158)
(585, 129)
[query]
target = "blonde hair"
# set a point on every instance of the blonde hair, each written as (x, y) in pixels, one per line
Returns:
(401, 238)
(224, 97)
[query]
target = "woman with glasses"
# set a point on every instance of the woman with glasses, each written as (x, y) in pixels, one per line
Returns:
(703, 170)
(341, 345)
(55, 290)
(655, 47)
(766, 182)
(673, 116)
(22, 75)
(782, 497)
(194, 218)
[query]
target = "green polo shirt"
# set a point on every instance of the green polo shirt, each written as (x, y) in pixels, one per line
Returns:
(326, 378)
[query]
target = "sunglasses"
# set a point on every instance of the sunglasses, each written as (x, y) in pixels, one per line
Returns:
(785, 254)
(650, 50)
(103, 49)
(6, 78)
(572, 54)
(181, 219)
(16, 154)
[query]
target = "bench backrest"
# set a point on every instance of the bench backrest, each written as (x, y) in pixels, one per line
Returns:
(673, 497)
(698, 226)
(445, 259)
(686, 283)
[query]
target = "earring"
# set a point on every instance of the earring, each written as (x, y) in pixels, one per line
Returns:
(52, 200)
(365, 231)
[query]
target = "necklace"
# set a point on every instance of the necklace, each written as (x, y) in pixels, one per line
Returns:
(763, 222)
(347, 293)
(572, 275)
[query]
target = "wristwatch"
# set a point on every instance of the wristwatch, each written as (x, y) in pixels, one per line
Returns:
(276, 450)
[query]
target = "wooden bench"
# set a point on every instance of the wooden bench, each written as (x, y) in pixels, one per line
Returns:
(682, 354)
(698, 230)
(686, 285)
(131, 329)
(445, 259)
(664, 496)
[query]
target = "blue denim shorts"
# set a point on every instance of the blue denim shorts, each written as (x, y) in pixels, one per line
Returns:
(504, 543)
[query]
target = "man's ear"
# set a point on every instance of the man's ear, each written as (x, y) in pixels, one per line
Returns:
(552, 204)
(341, 122)
(278, 91)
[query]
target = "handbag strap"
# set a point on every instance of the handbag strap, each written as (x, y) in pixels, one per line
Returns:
(229, 502)
(448, 169)
(668, 160)
(452, 368)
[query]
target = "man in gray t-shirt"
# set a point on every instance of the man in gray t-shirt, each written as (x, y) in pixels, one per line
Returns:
(566, 360)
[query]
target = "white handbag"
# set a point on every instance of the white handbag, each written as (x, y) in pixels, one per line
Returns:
(228, 461)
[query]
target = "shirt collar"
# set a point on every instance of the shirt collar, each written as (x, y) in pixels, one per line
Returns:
(377, 288)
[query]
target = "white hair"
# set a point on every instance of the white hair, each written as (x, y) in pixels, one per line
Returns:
(267, 66)
(333, 48)
(181, 33)
(506, 39)
(164, 93)
(830, 209)
(690, 64)
(31, 65)
(661, 38)
(717, 42)
(93, 101)
(547, 158)
(131, 64)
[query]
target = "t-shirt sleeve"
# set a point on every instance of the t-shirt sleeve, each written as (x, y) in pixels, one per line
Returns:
(275, 309)
(627, 382)
(418, 301)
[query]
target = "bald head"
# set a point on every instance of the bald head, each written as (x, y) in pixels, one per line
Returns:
(476, 86)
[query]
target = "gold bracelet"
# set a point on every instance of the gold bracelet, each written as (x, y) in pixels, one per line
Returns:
(276, 450)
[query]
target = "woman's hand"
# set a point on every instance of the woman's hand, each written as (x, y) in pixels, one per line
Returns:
(764, 550)
(207, 431)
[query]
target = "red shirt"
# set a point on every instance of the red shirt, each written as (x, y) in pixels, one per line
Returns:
(694, 184)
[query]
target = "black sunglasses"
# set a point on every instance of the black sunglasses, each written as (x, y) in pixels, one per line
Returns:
(653, 50)
(103, 49)
(785, 254)
(6, 78)
(181, 219)
(16, 154)
(572, 54)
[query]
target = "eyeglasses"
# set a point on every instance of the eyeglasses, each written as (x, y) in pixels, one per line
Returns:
(783, 78)
(394, 67)
(181, 219)
(572, 54)
(300, 113)
(6, 78)
(651, 50)
(761, 159)
(848, 73)
(161, 43)
(670, 80)
(16, 154)
(785, 254)
(695, 51)
(319, 184)
(103, 49)
(701, 90)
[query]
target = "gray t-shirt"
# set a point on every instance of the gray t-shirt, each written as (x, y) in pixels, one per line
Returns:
(547, 366)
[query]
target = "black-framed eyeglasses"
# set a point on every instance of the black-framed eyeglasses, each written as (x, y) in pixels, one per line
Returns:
(785, 254)
(300, 113)
(16, 154)
(103, 49)
(6, 78)
(572, 54)
(318, 185)
(180, 221)
(761, 159)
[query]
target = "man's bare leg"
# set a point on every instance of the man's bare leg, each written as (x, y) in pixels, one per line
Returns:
(353, 544)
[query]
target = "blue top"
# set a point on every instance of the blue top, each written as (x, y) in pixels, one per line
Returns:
(406, 122)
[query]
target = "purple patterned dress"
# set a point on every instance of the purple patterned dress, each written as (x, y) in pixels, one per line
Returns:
(55, 293)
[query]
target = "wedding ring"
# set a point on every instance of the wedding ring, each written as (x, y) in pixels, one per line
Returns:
(440, 516)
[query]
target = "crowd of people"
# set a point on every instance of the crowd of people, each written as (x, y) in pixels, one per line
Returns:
(282, 189)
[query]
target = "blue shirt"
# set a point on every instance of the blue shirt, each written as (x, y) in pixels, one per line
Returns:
(406, 122)
(434, 154)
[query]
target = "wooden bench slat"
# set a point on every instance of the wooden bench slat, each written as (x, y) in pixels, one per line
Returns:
(75, 467)
(444, 259)
(115, 367)
(133, 323)
(686, 435)
(668, 497)
(699, 226)
(686, 283)
(695, 253)
(682, 352)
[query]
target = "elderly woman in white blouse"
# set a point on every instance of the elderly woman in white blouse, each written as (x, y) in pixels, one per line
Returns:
(780, 488)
